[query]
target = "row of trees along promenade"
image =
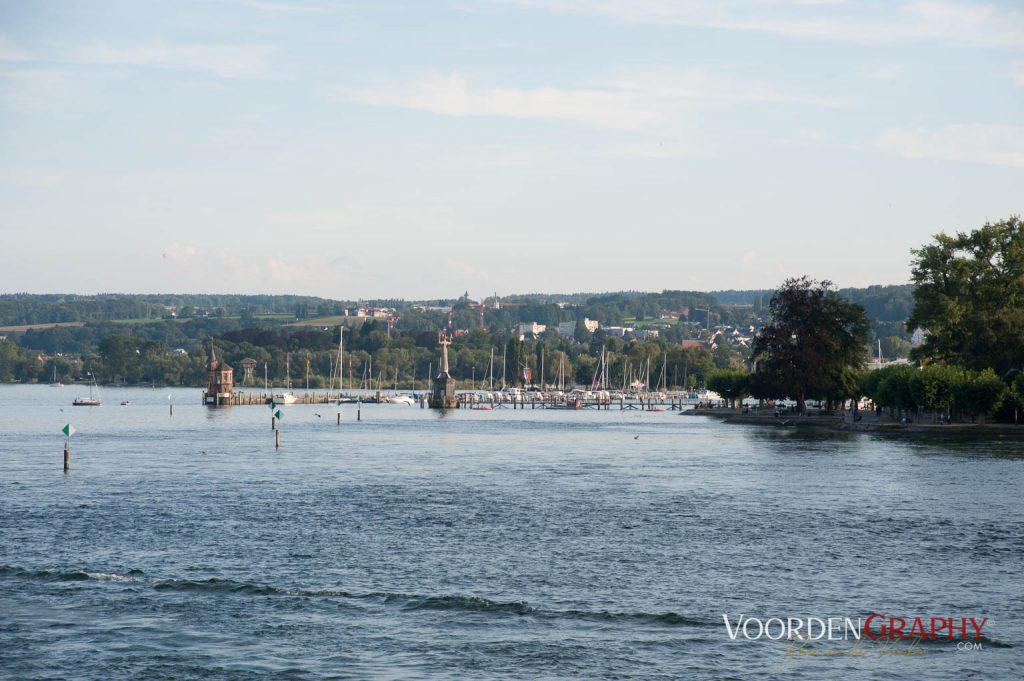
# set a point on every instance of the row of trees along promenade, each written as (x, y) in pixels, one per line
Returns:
(968, 296)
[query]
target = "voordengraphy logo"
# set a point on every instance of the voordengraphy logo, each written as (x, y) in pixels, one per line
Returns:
(793, 628)
(877, 629)
(895, 628)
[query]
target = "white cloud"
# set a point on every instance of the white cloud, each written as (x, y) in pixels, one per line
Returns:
(804, 137)
(991, 144)
(8, 52)
(190, 268)
(180, 253)
(632, 102)
(887, 72)
(395, 219)
(225, 61)
(954, 22)
(452, 96)
(32, 178)
(650, 149)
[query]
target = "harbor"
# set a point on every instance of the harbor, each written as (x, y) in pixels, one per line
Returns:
(479, 399)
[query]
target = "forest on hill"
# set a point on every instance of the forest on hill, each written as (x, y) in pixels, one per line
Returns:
(160, 338)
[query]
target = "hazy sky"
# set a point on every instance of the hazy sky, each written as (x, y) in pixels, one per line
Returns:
(420, 149)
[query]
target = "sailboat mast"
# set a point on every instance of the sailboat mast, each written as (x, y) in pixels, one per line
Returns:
(341, 349)
(542, 367)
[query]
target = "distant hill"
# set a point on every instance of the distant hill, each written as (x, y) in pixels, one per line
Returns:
(883, 303)
(891, 303)
(744, 297)
(26, 308)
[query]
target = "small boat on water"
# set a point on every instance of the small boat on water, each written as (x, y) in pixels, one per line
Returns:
(398, 399)
(125, 403)
(91, 400)
(285, 396)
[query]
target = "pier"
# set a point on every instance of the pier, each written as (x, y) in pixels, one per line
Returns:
(484, 400)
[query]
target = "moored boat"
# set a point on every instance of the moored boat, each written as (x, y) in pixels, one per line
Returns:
(91, 400)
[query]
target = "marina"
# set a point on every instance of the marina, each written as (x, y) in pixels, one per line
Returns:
(473, 399)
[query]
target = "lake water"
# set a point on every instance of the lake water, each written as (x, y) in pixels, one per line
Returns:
(484, 544)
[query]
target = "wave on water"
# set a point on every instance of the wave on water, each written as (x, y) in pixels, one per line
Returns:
(479, 604)
(403, 601)
(71, 575)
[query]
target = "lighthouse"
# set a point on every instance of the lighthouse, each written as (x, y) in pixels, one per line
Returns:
(222, 380)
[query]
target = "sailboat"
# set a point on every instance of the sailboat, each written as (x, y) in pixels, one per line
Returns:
(55, 383)
(89, 401)
(286, 396)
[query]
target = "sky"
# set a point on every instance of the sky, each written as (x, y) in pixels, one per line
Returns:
(421, 149)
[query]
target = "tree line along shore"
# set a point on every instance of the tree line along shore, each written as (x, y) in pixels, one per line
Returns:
(806, 340)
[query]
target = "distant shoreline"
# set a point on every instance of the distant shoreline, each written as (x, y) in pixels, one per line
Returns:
(870, 424)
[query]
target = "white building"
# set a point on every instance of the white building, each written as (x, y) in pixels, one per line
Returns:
(532, 328)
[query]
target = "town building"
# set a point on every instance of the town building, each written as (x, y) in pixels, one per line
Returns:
(532, 329)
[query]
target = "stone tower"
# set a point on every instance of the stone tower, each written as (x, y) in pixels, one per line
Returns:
(443, 396)
(222, 380)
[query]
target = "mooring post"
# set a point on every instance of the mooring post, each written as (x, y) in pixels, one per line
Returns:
(277, 439)
(359, 410)
(273, 423)
(339, 418)
(67, 457)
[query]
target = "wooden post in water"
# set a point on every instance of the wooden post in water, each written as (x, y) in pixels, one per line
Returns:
(359, 410)
(277, 439)
(68, 431)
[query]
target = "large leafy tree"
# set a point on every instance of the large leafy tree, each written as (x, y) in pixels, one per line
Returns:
(812, 346)
(732, 385)
(969, 295)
